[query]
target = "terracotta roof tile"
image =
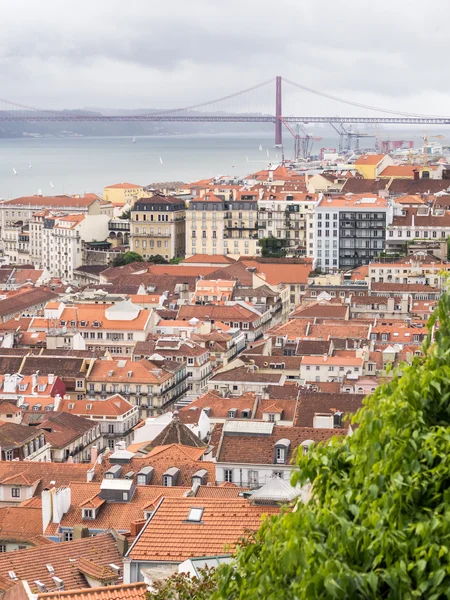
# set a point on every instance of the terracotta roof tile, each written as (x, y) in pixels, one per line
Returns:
(117, 515)
(30, 472)
(128, 591)
(31, 564)
(311, 403)
(173, 455)
(321, 311)
(260, 449)
(170, 537)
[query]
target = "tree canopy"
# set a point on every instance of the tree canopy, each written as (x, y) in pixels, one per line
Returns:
(271, 247)
(126, 258)
(378, 522)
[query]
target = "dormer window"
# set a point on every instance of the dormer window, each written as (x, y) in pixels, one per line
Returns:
(232, 413)
(281, 451)
(170, 477)
(88, 513)
(271, 417)
(246, 413)
(200, 477)
(305, 446)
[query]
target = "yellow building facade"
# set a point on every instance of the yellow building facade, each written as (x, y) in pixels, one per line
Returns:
(158, 226)
(123, 193)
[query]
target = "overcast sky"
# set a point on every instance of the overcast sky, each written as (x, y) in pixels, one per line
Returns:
(168, 53)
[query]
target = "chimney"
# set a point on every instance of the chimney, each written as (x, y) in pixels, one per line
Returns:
(135, 528)
(94, 454)
(122, 543)
(79, 531)
(416, 175)
(51, 378)
(57, 402)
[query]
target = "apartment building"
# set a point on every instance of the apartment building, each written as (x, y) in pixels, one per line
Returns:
(238, 315)
(115, 415)
(70, 437)
(23, 208)
(16, 243)
(217, 226)
(193, 355)
(62, 241)
(146, 384)
(289, 217)
(418, 269)
(114, 328)
(331, 368)
(416, 223)
(120, 194)
(251, 453)
(158, 226)
(350, 230)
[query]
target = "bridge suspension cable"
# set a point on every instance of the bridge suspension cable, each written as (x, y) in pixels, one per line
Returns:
(359, 105)
(203, 104)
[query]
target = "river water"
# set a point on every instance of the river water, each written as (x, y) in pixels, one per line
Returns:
(87, 164)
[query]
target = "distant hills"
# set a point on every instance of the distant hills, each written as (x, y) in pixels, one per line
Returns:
(67, 129)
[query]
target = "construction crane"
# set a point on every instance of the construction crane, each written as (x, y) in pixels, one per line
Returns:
(302, 143)
(346, 137)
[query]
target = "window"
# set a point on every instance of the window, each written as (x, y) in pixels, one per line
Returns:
(278, 474)
(68, 536)
(88, 513)
(271, 417)
(253, 478)
(195, 514)
(110, 428)
(228, 475)
(2, 548)
(280, 455)
(9, 455)
(79, 383)
(15, 492)
(167, 481)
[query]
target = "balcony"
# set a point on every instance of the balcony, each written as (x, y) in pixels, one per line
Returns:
(151, 235)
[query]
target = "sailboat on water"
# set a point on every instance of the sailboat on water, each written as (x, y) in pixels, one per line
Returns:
(51, 185)
(133, 141)
(260, 148)
(160, 160)
(14, 171)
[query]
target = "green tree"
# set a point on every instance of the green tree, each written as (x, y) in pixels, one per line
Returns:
(158, 259)
(271, 247)
(176, 260)
(126, 214)
(183, 587)
(378, 522)
(126, 258)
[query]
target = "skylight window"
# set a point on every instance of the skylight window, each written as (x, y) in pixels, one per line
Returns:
(195, 514)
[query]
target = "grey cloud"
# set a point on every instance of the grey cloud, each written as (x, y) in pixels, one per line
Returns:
(148, 53)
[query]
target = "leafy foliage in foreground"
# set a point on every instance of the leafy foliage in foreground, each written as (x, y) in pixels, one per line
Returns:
(182, 587)
(378, 525)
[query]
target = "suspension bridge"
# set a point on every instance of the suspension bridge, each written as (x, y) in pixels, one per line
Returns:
(271, 101)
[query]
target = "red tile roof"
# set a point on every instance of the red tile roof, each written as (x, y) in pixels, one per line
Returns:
(260, 449)
(31, 564)
(125, 591)
(170, 537)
